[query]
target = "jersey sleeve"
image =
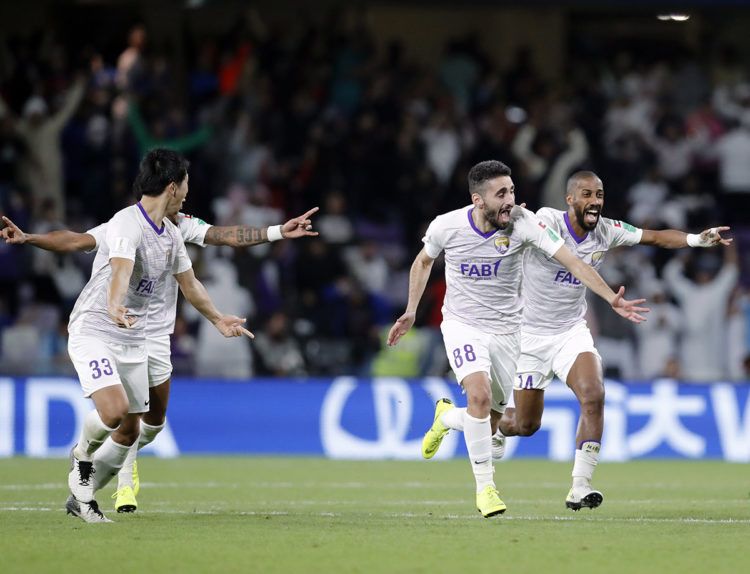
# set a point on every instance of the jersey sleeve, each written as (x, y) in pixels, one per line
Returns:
(182, 262)
(193, 229)
(123, 237)
(537, 233)
(98, 233)
(621, 233)
(435, 238)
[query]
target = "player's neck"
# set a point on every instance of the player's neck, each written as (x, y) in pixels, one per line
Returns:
(155, 208)
(480, 222)
(575, 226)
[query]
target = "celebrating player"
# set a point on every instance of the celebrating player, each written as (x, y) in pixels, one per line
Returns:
(161, 319)
(108, 322)
(484, 244)
(555, 340)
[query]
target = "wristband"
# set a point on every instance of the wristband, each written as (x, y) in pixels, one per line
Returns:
(274, 233)
(693, 240)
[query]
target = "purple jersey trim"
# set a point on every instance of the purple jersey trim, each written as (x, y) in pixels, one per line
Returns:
(573, 233)
(153, 225)
(475, 228)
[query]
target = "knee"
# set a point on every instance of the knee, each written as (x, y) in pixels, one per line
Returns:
(480, 399)
(592, 399)
(528, 428)
(127, 436)
(112, 415)
(156, 416)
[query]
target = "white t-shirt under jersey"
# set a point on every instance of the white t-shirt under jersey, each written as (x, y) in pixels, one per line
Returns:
(483, 270)
(554, 299)
(162, 309)
(157, 254)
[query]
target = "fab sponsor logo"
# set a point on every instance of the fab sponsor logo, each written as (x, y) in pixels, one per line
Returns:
(481, 269)
(565, 277)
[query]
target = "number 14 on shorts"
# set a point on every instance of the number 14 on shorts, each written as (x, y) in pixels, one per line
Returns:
(467, 355)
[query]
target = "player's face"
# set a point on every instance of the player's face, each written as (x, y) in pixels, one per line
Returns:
(176, 202)
(587, 201)
(499, 198)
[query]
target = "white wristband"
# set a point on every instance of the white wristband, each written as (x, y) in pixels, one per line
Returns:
(274, 233)
(693, 240)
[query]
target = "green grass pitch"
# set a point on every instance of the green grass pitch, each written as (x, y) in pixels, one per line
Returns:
(305, 515)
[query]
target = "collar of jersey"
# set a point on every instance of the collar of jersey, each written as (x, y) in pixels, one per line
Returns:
(153, 225)
(572, 232)
(475, 228)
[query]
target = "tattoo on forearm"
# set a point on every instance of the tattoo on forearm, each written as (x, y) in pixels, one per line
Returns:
(237, 236)
(249, 236)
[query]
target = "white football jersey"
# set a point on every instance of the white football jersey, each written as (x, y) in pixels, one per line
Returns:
(157, 254)
(162, 309)
(555, 300)
(483, 270)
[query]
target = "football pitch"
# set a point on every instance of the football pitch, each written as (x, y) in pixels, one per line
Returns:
(313, 515)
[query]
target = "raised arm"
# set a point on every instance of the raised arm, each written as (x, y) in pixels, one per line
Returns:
(591, 279)
(673, 239)
(62, 241)
(198, 297)
(122, 269)
(246, 236)
(418, 276)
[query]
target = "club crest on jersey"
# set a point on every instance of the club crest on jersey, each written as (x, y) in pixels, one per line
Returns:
(502, 244)
(596, 257)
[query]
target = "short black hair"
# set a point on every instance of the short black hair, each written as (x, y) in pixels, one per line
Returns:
(485, 171)
(578, 176)
(158, 169)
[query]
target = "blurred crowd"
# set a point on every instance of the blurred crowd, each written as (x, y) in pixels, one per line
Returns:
(278, 119)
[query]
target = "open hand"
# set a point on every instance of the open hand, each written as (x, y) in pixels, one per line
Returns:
(299, 226)
(231, 326)
(400, 327)
(711, 237)
(12, 233)
(629, 309)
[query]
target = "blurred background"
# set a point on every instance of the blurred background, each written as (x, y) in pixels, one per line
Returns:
(375, 111)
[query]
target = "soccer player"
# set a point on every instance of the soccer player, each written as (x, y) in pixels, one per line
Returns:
(555, 340)
(160, 325)
(484, 244)
(107, 327)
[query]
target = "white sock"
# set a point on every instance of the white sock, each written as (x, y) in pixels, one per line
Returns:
(586, 460)
(108, 462)
(125, 476)
(93, 433)
(454, 418)
(147, 436)
(148, 433)
(478, 437)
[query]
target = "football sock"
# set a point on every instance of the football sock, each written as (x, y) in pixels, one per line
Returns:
(478, 437)
(586, 460)
(125, 476)
(148, 433)
(93, 433)
(454, 418)
(108, 461)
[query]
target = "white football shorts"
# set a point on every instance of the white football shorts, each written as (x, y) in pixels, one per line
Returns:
(544, 356)
(101, 364)
(159, 351)
(470, 351)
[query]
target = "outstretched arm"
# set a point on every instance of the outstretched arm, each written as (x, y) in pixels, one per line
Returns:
(418, 276)
(245, 236)
(591, 279)
(673, 239)
(196, 294)
(62, 241)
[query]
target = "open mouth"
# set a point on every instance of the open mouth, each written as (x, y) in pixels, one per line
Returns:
(591, 216)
